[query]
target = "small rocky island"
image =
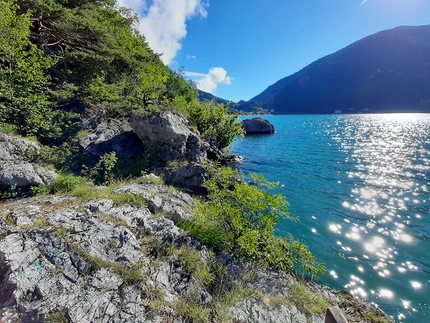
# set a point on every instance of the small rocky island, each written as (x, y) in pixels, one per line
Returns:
(257, 126)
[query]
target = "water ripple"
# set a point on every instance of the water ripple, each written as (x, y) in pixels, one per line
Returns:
(360, 184)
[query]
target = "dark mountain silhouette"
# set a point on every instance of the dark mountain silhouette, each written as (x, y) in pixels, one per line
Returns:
(386, 72)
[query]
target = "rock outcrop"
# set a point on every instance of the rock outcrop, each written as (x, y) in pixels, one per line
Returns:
(17, 174)
(257, 126)
(67, 260)
(172, 136)
(112, 135)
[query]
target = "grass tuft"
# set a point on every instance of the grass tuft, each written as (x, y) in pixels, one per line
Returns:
(193, 310)
(311, 302)
(193, 262)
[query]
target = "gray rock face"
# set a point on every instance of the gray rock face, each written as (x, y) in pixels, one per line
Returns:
(96, 261)
(174, 205)
(21, 175)
(171, 136)
(17, 175)
(14, 148)
(112, 135)
(255, 311)
(84, 261)
(257, 126)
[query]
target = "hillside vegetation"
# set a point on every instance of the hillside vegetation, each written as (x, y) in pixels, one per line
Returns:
(62, 58)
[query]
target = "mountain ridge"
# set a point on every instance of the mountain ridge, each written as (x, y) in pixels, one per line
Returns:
(388, 71)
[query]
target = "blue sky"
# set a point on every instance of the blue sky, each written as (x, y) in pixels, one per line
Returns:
(235, 49)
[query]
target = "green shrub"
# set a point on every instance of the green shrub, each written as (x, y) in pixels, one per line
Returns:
(246, 216)
(213, 121)
(65, 183)
(102, 172)
(24, 91)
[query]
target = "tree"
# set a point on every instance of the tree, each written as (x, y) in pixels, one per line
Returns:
(23, 82)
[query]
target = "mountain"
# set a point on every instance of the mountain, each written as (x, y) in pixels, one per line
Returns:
(205, 96)
(242, 107)
(386, 72)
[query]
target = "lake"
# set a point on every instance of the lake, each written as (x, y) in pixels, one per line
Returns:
(360, 185)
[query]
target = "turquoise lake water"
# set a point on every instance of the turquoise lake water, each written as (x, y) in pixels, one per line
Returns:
(360, 185)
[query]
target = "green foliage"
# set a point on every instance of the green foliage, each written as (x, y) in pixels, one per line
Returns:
(64, 184)
(208, 233)
(213, 121)
(75, 54)
(247, 215)
(102, 172)
(24, 89)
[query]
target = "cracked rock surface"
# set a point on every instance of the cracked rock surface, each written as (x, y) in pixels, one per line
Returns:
(67, 260)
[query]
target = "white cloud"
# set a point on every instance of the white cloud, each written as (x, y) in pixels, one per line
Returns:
(163, 22)
(137, 5)
(209, 82)
(190, 56)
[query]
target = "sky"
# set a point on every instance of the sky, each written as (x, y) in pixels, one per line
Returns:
(235, 49)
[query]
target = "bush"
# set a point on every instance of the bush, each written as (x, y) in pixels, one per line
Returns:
(246, 216)
(213, 121)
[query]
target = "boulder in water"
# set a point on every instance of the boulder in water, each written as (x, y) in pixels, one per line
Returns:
(257, 126)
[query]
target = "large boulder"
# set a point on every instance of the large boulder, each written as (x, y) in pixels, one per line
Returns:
(15, 148)
(17, 173)
(257, 126)
(171, 136)
(20, 176)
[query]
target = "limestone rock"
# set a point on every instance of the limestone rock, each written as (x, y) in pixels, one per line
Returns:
(255, 311)
(112, 135)
(97, 261)
(14, 147)
(175, 205)
(19, 176)
(257, 126)
(172, 136)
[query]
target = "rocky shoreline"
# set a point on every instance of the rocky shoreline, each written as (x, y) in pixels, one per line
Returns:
(105, 261)
(116, 253)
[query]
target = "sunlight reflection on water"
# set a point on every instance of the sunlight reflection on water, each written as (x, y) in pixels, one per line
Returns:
(360, 186)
